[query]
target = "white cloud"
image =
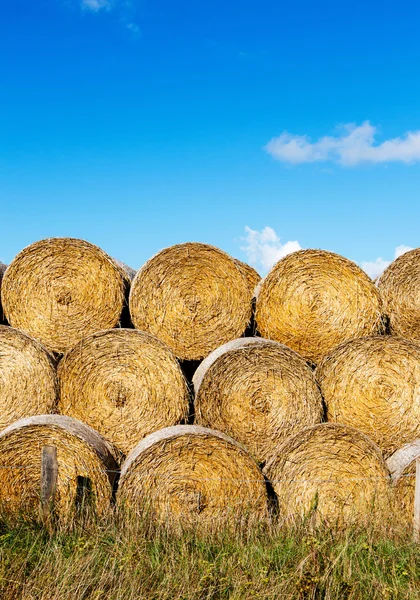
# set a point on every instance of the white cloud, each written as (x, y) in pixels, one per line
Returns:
(376, 267)
(355, 144)
(264, 248)
(96, 5)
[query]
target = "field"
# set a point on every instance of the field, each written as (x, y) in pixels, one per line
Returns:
(109, 561)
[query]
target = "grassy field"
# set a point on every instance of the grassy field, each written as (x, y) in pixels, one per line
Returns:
(105, 560)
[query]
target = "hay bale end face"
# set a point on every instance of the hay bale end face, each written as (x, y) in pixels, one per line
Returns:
(334, 471)
(125, 384)
(313, 300)
(373, 384)
(193, 297)
(257, 391)
(400, 292)
(61, 289)
(82, 456)
(402, 465)
(28, 377)
(192, 473)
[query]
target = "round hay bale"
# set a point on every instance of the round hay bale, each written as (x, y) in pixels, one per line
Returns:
(333, 470)
(192, 472)
(61, 289)
(313, 300)
(193, 297)
(257, 391)
(28, 377)
(373, 384)
(82, 455)
(250, 274)
(402, 465)
(400, 292)
(125, 384)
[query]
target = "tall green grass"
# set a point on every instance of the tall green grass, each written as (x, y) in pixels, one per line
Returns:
(136, 559)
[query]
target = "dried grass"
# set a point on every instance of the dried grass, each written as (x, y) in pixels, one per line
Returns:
(192, 473)
(28, 377)
(373, 384)
(331, 471)
(257, 391)
(125, 384)
(59, 290)
(193, 297)
(81, 453)
(400, 292)
(313, 300)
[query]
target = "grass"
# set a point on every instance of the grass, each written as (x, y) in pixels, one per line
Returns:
(112, 561)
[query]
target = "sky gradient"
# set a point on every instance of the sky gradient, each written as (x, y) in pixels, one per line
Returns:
(138, 124)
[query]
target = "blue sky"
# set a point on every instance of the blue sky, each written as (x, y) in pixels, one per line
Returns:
(140, 124)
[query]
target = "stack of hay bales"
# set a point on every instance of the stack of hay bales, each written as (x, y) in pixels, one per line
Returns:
(28, 377)
(257, 400)
(192, 472)
(82, 454)
(257, 391)
(125, 384)
(192, 296)
(313, 300)
(61, 289)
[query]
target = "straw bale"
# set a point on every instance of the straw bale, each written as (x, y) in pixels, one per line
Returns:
(125, 384)
(28, 377)
(333, 470)
(313, 300)
(251, 275)
(61, 289)
(81, 453)
(402, 465)
(400, 291)
(194, 473)
(373, 384)
(257, 391)
(193, 297)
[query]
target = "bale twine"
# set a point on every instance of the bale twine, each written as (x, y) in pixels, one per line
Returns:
(125, 384)
(400, 291)
(193, 297)
(373, 384)
(61, 289)
(28, 377)
(333, 470)
(313, 300)
(82, 455)
(250, 274)
(402, 465)
(257, 391)
(192, 472)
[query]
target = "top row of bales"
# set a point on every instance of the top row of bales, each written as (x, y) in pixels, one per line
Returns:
(195, 297)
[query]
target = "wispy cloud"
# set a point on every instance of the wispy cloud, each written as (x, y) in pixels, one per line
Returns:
(375, 268)
(353, 144)
(96, 5)
(264, 248)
